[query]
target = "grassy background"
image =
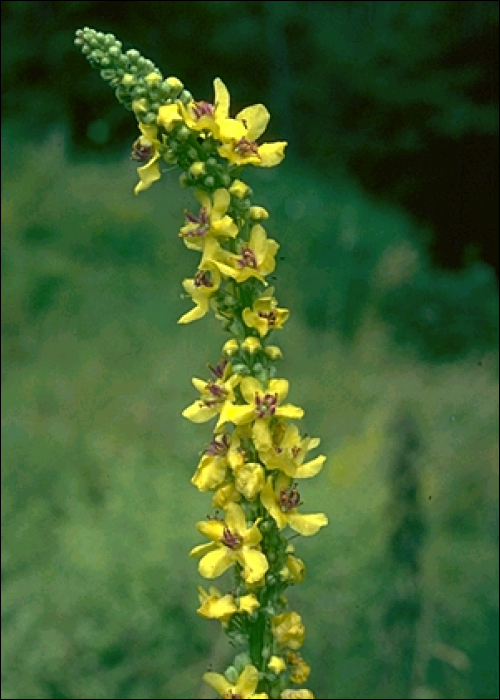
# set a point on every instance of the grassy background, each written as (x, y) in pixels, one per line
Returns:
(98, 514)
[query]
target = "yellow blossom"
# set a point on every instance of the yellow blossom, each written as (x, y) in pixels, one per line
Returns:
(294, 569)
(299, 669)
(249, 479)
(222, 453)
(147, 150)
(244, 687)
(276, 664)
(300, 694)
(288, 630)
(216, 606)
(232, 542)
(168, 116)
(213, 396)
(211, 221)
(261, 405)
(289, 451)
(254, 259)
(200, 288)
(205, 116)
(225, 494)
(265, 316)
(281, 501)
(239, 139)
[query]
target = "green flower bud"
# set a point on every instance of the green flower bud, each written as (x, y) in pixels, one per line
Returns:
(231, 674)
(133, 55)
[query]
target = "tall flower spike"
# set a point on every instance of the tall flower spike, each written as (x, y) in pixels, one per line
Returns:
(255, 453)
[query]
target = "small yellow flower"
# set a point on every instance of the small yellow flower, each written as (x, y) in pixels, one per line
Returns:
(239, 139)
(299, 669)
(168, 116)
(200, 288)
(215, 606)
(232, 542)
(254, 259)
(281, 500)
(265, 316)
(211, 221)
(294, 569)
(147, 150)
(276, 664)
(261, 405)
(301, 694)
(213, 396)
(222, 453)
(289, 451)
(226, 494)
(249, 479)
(288, 630)
(205, 116)
(244, 687)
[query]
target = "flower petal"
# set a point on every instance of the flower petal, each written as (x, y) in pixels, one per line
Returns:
(215, 563)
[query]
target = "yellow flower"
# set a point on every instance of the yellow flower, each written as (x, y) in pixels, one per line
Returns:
(299, 669)
(239, 189)
(294, 569)
(288, 630)
(301, 694)
(147, 150)
(265, 316)
(239, 139)
(222, 453)
(205, 116)
(232, 542)
(281, 501)
(261, 406)
(211, 221)
(289, 450)
(215, 606)
(249, 479)
(254, 259)
(276, 664)
(213, 396)
(200, 288)
(168, 116)
(244, 687)
(225, 494)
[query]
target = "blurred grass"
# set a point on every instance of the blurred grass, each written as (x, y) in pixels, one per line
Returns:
(98, 513)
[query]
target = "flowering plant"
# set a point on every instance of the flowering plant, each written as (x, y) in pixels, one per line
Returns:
(256, 455)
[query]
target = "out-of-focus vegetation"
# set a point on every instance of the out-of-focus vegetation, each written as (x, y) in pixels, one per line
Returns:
(394, 360)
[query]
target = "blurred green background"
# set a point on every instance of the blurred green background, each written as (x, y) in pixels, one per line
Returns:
(387, 214)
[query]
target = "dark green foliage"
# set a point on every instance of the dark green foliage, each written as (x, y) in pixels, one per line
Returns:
(443, 315)
(44, 293)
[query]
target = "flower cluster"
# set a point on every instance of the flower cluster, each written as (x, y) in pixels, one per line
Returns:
(257, 456)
